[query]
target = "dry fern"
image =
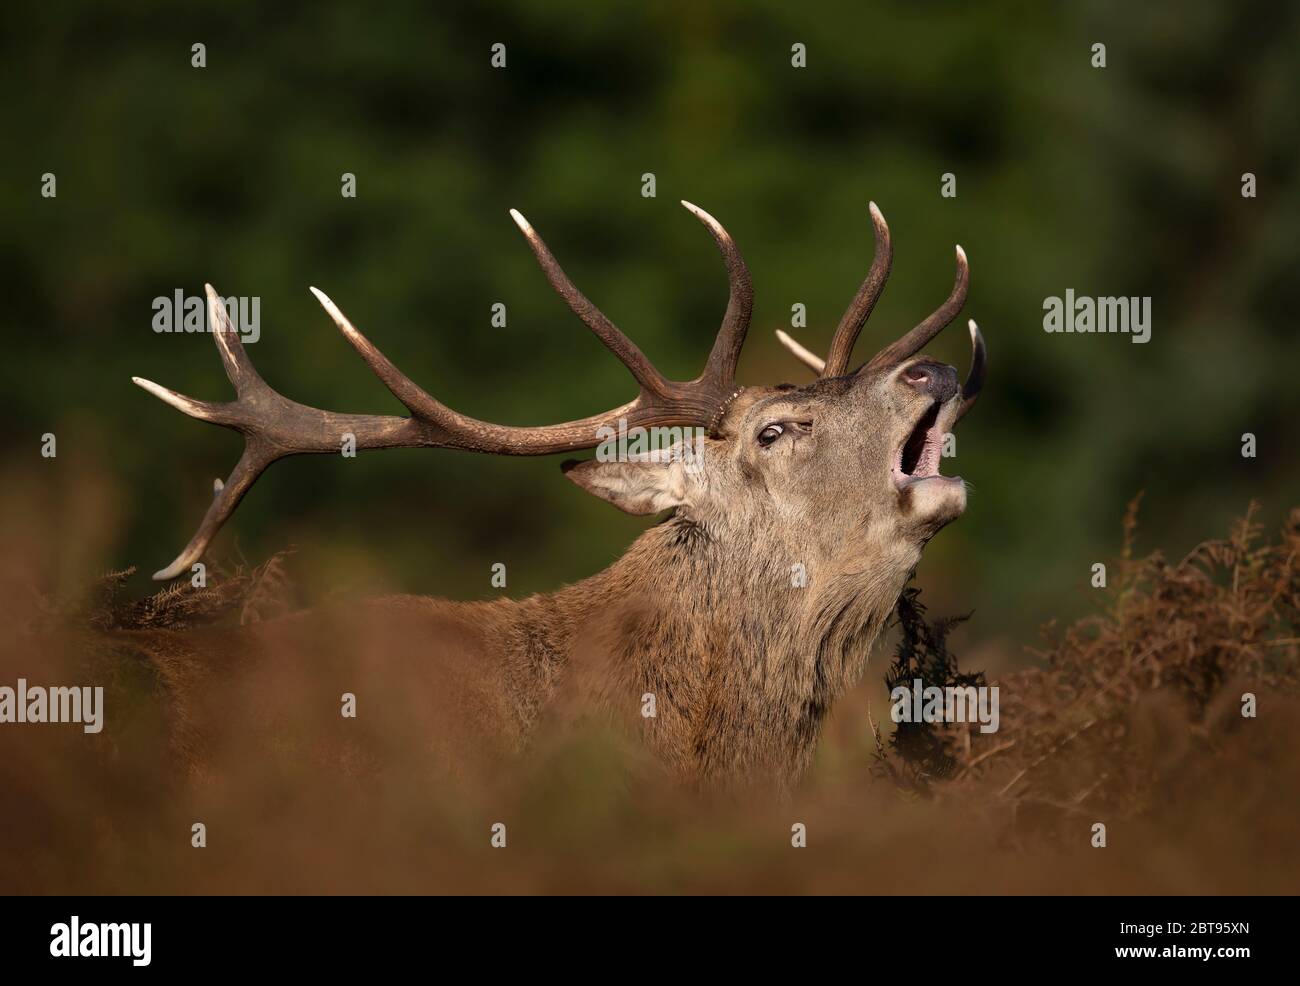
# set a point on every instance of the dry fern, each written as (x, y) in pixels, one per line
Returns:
(239, 595)
(1141, 696)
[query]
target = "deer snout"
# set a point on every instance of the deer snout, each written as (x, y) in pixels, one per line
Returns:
(937, 381)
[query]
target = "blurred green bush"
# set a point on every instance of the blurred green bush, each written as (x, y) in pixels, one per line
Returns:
(1122, 180)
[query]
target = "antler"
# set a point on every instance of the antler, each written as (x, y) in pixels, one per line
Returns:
(804, 355)
(979, 369)
(846, 333)
(274, 426)
(913, 342)
(859, 310)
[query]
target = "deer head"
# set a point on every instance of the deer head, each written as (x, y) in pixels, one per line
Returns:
(849, 460)
(828, 469)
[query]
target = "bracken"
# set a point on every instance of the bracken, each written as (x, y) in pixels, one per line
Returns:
(1129, 707)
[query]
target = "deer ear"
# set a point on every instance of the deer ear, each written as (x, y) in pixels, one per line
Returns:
(639, 486)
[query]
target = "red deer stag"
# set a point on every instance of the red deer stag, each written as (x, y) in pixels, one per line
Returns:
(797, 516)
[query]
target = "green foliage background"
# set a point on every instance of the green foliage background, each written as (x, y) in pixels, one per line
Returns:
(1124, 180)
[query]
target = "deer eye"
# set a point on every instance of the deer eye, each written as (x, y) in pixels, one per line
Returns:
(770, 434)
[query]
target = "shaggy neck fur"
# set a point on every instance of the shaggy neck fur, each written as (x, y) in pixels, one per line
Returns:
(742, 662)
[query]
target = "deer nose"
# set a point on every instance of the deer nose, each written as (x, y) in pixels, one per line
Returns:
(936, 380)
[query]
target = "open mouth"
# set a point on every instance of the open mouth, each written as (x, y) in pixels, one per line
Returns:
(918, 457)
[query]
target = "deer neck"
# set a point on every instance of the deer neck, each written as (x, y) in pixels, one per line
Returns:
(727, 653)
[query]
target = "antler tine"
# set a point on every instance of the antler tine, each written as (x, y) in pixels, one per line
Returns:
(257, 456)
(970, 391)
(239, 368)
(913, 341)
(859, 310)
(434, 424)
(721, 366)
(415, 398)
(628, 353)
(203, 410)
(803, 355)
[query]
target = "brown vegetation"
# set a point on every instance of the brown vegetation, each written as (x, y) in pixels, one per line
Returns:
(1137, 708)
(1132, 718)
